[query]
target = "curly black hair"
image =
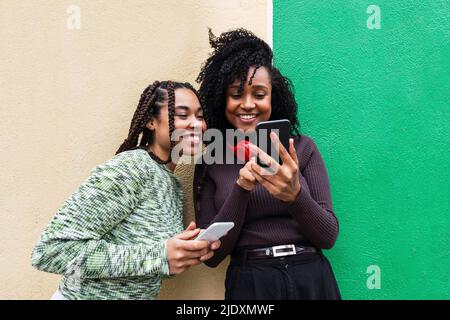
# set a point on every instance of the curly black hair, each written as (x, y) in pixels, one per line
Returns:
(234, 52)
(149, 106)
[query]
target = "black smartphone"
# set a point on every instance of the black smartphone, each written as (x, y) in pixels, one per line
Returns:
(263, 129)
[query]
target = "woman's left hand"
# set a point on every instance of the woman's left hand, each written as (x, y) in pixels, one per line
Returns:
(282, 181)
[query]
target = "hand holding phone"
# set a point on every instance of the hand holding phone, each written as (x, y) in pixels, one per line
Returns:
(282, 184)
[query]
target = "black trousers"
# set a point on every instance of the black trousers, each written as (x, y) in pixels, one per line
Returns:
(306, 276)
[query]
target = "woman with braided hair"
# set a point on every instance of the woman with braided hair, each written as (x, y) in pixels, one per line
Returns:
(282, 220)
(121, 232)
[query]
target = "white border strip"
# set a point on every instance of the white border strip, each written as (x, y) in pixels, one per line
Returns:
(269, 18)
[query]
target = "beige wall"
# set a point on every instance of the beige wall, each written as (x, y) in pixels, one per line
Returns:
(66, 100)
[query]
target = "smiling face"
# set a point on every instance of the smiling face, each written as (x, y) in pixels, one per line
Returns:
(246, 108)
(189, 121)
(188, 124)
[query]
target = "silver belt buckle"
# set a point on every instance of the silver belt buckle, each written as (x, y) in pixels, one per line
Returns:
(282, 254)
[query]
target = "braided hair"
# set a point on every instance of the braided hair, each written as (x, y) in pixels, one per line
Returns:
(150, 103)
(234, 52)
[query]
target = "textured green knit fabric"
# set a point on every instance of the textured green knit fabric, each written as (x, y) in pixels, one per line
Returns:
(109, 238)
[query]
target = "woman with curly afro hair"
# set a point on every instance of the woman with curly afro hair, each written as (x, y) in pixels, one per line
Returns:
(282, 220)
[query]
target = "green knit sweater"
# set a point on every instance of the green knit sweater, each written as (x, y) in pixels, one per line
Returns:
(109, 238)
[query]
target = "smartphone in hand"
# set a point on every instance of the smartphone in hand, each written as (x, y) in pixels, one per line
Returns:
(215, 231)
(263, 130)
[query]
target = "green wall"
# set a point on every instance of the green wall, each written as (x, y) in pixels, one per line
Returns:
(377, 104)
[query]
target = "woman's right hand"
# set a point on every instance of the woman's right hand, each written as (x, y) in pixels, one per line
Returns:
(183, 252)
(246, 179)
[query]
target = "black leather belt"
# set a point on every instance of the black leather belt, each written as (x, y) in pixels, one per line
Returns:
(273, 252)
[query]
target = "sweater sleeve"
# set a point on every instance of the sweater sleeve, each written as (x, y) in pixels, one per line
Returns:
(73, 241)
(233, 210)
(312, 208)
